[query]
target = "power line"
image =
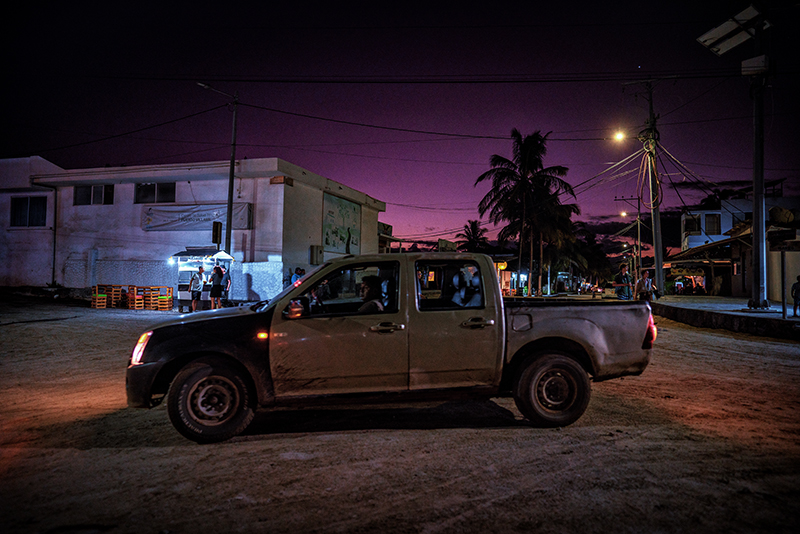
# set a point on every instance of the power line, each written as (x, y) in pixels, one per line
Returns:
(115, 136)
(446, 79)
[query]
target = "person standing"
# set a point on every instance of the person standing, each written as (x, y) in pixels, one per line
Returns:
(645, 287)
(796, 296)
(216, 288)
(226, 282)
(622, 283)
(196, 287)
(296, 276)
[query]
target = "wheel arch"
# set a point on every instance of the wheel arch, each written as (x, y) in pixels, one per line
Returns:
(538, 348)
(171, 369)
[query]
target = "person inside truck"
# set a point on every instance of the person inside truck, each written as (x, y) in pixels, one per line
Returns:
(468, 287)
(371, 294)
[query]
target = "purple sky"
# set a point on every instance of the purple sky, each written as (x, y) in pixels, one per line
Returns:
(393, 83)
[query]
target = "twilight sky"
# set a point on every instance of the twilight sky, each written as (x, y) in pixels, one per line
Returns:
(404, 103)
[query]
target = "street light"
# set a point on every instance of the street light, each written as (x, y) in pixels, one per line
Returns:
(229, 217)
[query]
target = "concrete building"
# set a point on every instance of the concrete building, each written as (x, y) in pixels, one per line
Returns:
(703, 226)
(717, 250)
(78, 228)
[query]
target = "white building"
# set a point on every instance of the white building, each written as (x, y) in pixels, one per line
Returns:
(701, 227)
(83, 227)
(717, 247)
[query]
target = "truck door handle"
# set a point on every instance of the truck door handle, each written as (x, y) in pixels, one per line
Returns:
(477, 322)
(386, 328)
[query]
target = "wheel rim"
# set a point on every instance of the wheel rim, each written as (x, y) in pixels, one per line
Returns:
(555, 390)
(213, 400)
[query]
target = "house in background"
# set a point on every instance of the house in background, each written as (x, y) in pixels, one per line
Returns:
(712, 221)
(120, 225)
(717, 245)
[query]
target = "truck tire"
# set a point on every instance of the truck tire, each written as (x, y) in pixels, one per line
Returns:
(552, 390)
(209, 402)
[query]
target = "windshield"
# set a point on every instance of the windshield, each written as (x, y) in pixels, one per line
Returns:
(265, 304)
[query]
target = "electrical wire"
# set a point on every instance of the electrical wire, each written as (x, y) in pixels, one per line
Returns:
(115, 136)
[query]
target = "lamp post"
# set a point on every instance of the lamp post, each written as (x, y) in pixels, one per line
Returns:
(229, 211)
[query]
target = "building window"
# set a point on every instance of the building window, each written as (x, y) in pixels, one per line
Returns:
(28, 211)
(713, 224)
(691, 225)
(84, 195)
(155, 193)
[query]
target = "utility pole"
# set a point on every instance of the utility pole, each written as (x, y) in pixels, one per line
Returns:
(229, 214)
(750, 24)
(649, 138)
(229, 220)
(757, 83)
(638, 267)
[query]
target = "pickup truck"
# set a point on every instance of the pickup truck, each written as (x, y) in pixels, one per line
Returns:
(389, 327)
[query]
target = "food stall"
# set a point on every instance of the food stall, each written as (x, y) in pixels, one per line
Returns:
(189, 261)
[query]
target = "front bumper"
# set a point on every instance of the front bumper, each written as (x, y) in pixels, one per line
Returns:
(139, 380)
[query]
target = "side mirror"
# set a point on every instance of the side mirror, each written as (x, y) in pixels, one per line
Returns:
(296, 308)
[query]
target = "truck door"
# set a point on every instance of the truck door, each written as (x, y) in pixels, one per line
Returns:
(346, 333)
(455, 339)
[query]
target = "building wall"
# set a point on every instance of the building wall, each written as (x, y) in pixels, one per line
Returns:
(106, 244)
(703, 236)
(26, 253)
(302, 224)
(774, 275)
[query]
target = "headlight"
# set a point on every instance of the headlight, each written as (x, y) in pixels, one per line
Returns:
(138, 351)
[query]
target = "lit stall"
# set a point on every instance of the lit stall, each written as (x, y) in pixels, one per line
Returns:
(189, 261)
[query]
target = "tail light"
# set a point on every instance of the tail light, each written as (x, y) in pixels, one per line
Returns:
(651, 334)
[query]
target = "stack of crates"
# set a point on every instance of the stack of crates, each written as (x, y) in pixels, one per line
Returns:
(113, 294)
(99, 300)
(153, 297)
(135, 298)
(164, 298)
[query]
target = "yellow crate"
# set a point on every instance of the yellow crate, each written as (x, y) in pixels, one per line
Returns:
(135, 302)
(99, 301)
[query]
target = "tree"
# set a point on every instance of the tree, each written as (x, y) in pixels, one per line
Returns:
(473, 238)
(525, 195)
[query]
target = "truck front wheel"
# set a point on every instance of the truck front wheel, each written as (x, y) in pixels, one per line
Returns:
(552, 390)
(209, 402)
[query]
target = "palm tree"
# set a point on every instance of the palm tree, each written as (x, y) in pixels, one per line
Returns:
(473, 238)
(525, 194)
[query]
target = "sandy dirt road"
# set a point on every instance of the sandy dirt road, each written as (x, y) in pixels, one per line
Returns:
(706, 440)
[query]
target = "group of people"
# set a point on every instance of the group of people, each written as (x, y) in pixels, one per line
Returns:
(298, 274)
(220, 286)
(644, 289)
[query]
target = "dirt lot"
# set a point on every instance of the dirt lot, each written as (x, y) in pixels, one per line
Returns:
(707, 440)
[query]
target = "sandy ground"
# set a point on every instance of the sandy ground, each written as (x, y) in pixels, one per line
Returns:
(706, 440)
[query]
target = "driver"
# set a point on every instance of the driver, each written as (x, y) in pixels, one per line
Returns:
(371, 294)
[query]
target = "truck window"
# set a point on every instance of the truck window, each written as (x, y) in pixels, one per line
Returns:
(369, 288)
(443, 285)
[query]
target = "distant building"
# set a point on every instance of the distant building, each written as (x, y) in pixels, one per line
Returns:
(716, 245)
(120, 225)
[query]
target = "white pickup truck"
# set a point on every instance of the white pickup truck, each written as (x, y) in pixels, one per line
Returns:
(391, 327)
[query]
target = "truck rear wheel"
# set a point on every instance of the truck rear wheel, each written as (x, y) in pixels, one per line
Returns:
(209, 402)
(552, 390)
